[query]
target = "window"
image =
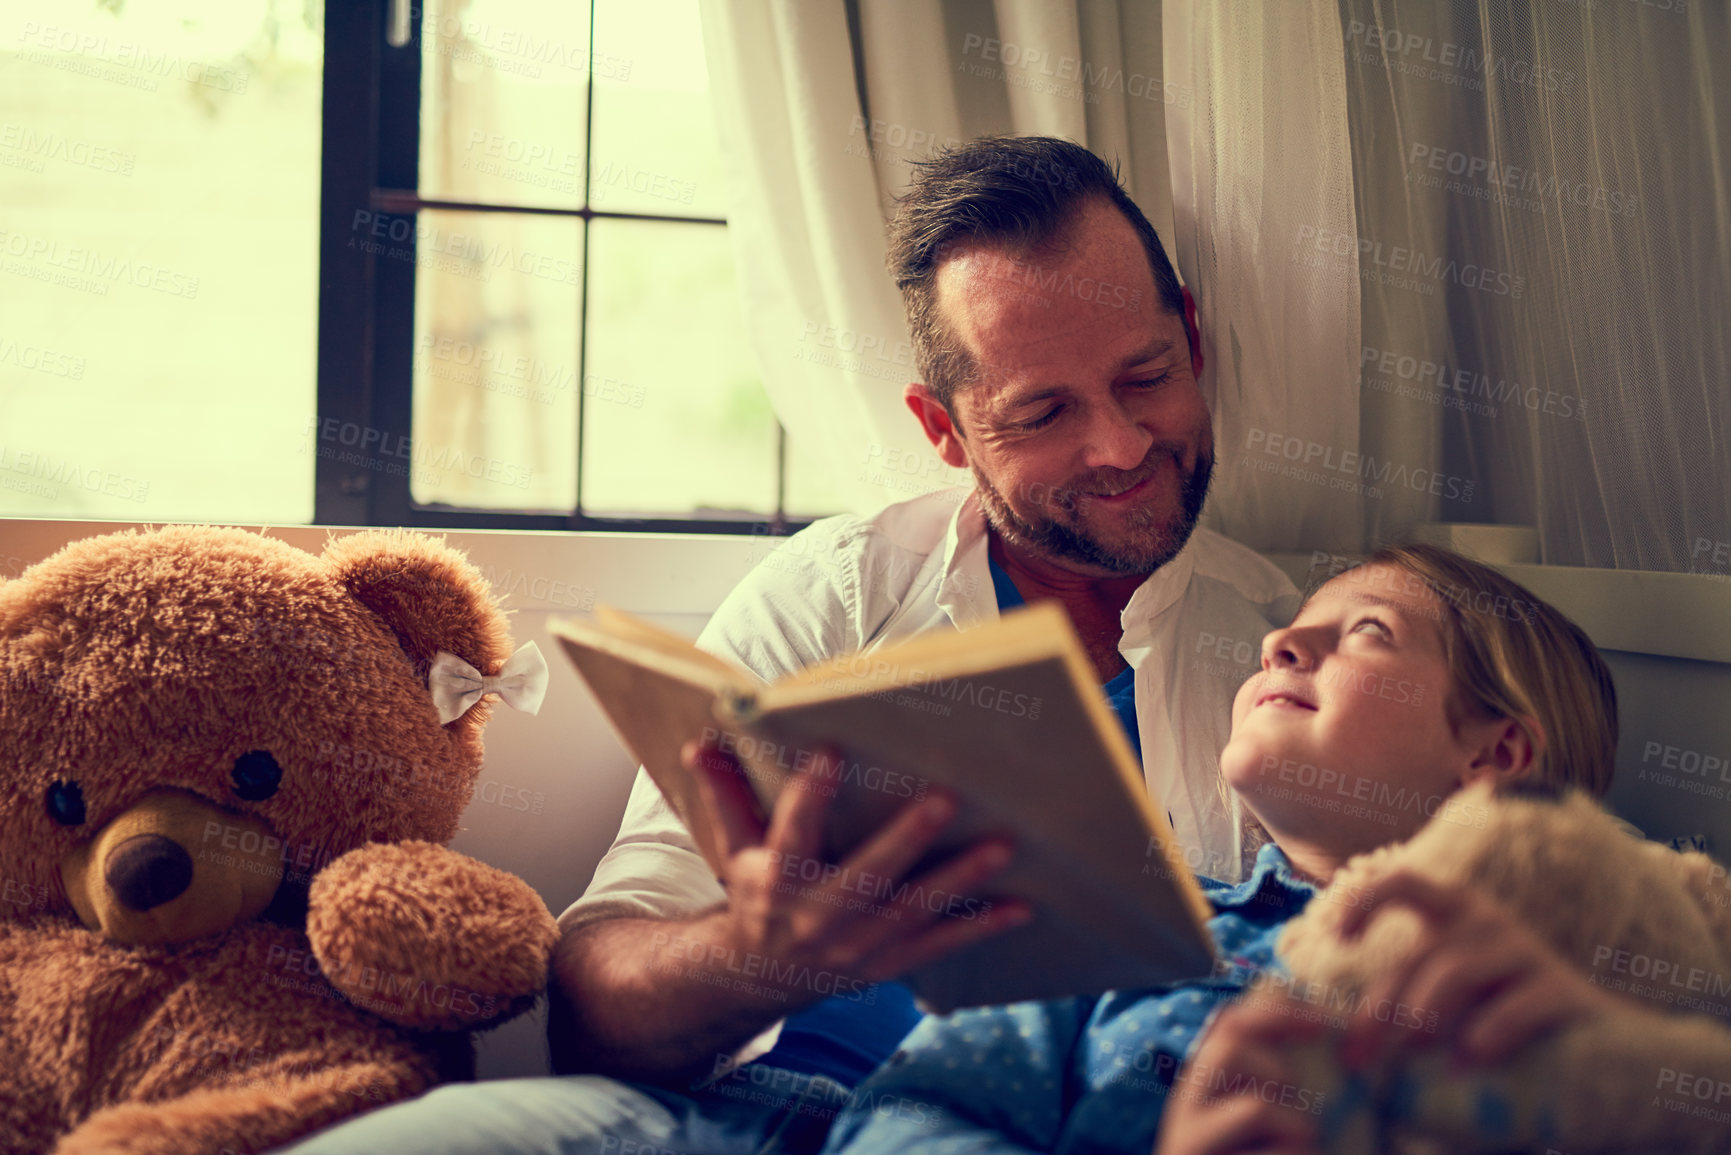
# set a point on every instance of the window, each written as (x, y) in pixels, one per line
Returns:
(258, 265)
(159, 246)
(529, 316)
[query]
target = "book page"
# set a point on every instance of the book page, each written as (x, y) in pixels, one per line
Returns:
(1033, 752)
(1038, 630)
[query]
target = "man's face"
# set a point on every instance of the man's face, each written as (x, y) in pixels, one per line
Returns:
(1085, 429)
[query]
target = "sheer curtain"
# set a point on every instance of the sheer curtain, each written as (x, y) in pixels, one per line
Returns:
(1557, 176)
(822, 109)
(1492, 244)
(1261, 167)
(1458, 261)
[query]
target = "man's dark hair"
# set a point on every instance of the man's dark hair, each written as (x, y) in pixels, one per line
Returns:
(1023, 191)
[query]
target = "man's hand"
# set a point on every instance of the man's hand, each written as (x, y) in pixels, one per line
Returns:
(1478, 980)
(845, 924)
(1238, 1093)
(668, 1001)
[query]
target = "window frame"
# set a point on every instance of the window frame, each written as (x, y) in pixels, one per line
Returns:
(370, 163)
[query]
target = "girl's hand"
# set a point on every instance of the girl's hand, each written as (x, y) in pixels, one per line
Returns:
(1237, 1093)
(1479, 980)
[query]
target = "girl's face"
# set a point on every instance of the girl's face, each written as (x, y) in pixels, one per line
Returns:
(1342, 738)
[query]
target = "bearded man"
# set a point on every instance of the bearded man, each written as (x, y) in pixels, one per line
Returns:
(1059, 359)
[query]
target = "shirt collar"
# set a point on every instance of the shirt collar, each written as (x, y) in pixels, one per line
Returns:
(1160, 592)
(1272, 880)
(965, 591)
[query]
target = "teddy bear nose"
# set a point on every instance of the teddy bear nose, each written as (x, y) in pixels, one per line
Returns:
(148, 870)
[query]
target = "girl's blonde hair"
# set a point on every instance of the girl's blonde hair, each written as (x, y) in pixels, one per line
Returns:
(1515, 656)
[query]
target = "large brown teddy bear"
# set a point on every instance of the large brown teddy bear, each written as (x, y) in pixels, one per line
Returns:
(225, 916)
(1635, 917)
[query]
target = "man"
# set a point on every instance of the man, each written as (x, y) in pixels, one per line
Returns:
(1060, 362)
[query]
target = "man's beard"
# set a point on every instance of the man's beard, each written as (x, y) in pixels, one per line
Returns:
(1149, 544)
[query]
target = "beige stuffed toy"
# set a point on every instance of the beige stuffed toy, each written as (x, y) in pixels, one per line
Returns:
(1634, 916)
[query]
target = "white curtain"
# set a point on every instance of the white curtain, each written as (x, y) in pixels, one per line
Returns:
(1261, 170)
(822, 108)
(1457, 261)
(1557, 175)
(1492, 245)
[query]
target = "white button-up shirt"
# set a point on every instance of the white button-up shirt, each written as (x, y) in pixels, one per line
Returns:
(1192, 632)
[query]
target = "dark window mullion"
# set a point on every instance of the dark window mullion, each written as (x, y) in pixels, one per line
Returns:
(399, 161)
(452, 517)
(780, 515)
(354, 38)
(396, 200)
(577, 515)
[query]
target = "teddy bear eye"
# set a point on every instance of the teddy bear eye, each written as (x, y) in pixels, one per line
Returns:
(256, 775)
(66, 804)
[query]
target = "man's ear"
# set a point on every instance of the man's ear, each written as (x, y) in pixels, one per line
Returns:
(935, 420)
(1194, 333)
(1509, 751)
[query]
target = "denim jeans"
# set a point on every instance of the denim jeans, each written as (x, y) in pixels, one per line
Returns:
(756, 1110)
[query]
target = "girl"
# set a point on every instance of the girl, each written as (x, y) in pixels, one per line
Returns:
(1398, 683)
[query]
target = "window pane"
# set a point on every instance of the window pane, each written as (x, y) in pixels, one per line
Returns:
(675, 417)
(496, 357)
(502, 89)
(655, 145)
(159, 172)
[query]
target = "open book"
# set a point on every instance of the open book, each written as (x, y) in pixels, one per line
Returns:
(1008, 717)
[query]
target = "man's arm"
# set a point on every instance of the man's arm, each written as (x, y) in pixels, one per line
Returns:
(624, 1004)
(664, 1000)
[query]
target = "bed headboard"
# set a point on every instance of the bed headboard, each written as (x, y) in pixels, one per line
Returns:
(1667, 639)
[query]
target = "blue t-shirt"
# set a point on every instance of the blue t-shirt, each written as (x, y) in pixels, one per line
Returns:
(1120, 691)
(847, 1037)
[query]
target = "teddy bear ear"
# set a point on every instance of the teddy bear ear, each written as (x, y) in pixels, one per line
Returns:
(427, 592)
